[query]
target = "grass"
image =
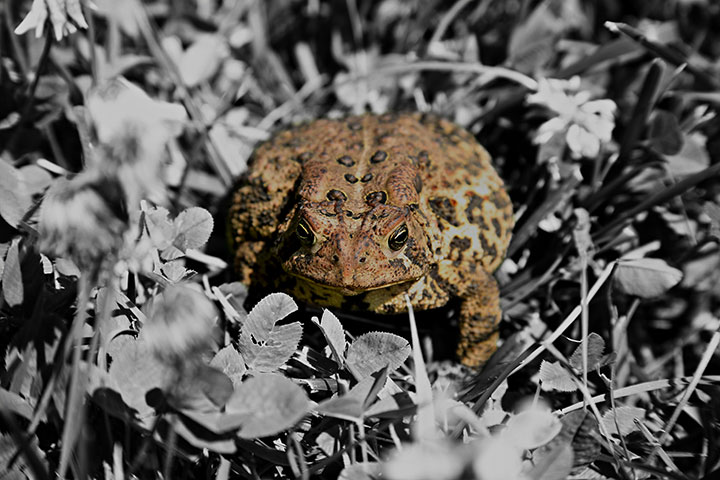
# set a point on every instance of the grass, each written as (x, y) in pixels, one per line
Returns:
(127, 351)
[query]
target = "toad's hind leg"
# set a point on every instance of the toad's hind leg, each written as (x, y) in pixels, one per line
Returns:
(479, 320)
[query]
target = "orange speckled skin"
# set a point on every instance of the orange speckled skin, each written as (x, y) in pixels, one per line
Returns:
(354, 182)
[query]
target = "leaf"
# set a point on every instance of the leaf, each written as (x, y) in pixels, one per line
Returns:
(136, 371)
(352, 405)
(12, 284)
(266, 313)
(271, 403)
(334, 334)
(554, 377)
(264, 345)
(595, 349)
(193, 227)
(159, 227)
(532, 428)
(625, 417)
(646, 277)
(375, 350)
(272, 354)
(713, 211)
(175, 271)
(231, 363)
(692, 158)
(532, 43)
(31, 462)
(665, 135)
(361, 471)
(125, 14)
(198, 430)
(203, 389)
(13, 403)
(202, 59)
(426, 461)
(553, 464)
(14, 200)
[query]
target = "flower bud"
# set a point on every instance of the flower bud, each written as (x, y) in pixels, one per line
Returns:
(179, 324)
(83, 219)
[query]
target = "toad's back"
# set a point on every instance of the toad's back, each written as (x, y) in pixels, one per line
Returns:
(362, 210)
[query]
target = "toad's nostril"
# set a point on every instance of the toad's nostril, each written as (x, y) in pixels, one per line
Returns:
(336, 258)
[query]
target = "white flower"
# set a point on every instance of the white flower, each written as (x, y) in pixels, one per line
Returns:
(586, 124)
(64, 15)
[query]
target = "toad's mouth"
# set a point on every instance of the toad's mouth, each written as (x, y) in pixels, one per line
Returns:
(349, 291)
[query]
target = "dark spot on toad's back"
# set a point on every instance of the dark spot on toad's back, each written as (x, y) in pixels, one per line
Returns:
(374, 198)
(350, 178)
(346, 161)
(336, 196)
(460, 243)
(378, 156)
(443, 207)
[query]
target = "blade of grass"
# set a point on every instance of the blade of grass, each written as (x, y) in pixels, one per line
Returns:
(424, 427)
(641, 112)
(660, 197)
(75, 407)
(642, 388)
(554, 200)
(704, 361)
(608, 52)
(529, 355)
(671, 56)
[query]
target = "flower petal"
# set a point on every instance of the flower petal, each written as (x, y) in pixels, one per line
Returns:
(34, 19)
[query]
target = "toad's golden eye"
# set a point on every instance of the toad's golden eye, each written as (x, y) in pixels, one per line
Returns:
(398, 238)
(304, 234)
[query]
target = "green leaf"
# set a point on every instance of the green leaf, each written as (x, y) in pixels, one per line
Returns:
(136, 371)
(13, 403)
(271, 403)
(554, 377)
(202, 59)
(198, 429)
(665, 135)
(264, 345)
(553, 463)
(692, 158)
(646, 277)
(353, 405)
(334, 334)
(427, 461)
(595, 349)
(231, 363)
(713, 211)
(375, 350)
(193, 227)
(532, 428)
(361, 471)
(14, 200)
(625, 417)
(204, 389)
(12, 283)
(160, 228)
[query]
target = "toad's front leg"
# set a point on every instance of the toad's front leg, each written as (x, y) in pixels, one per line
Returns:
(479, 312)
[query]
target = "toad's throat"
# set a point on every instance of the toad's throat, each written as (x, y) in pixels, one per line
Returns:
(349, 291)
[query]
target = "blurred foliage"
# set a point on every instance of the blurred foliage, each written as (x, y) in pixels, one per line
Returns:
(126, 348)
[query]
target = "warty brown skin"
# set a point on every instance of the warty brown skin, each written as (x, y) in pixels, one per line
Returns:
(355, 213)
